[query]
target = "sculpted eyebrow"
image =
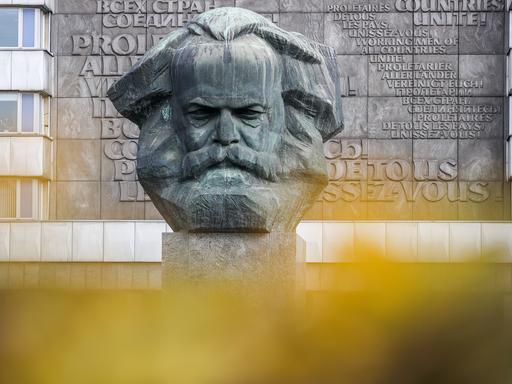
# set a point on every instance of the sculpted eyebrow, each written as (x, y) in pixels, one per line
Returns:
(199, 101)
(247, 104)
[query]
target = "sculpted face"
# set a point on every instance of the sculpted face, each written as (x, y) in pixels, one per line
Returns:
(228, 110)
(233, 113)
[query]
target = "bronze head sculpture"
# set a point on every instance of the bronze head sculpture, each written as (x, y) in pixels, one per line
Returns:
(233, 114)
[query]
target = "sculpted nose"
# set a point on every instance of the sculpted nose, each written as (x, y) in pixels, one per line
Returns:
(226, 132)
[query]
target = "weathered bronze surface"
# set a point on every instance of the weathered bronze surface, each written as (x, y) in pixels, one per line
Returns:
(233, 113)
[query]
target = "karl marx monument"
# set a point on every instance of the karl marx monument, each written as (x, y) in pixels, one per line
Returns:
(233, 113)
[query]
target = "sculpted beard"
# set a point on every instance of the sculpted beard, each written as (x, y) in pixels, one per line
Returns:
(226, 57)
(170, 160)
(261, 164)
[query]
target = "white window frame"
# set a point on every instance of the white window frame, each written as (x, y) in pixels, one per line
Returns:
(45, 23)
(41, 103)
(38, 42)
(37, 194)
(44, 106)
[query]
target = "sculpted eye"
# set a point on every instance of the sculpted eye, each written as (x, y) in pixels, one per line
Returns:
(252, 112)
(201, 112)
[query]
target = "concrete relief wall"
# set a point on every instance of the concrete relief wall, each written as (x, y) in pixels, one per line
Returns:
(424, 111)
(423, 100)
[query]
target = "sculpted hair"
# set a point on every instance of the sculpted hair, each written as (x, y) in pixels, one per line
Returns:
(310, 82)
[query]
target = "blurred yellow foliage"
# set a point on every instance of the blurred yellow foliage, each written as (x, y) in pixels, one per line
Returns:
(381, 323)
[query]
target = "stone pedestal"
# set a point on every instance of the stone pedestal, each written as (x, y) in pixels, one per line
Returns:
(273, 260)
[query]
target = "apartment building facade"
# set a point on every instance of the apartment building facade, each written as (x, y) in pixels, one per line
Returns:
(424, 153)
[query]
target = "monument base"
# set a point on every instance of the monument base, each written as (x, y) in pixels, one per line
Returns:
(261, 260)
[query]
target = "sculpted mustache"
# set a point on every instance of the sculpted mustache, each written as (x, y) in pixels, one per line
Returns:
(261, 164)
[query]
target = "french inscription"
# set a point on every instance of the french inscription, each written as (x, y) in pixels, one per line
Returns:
(354, 176)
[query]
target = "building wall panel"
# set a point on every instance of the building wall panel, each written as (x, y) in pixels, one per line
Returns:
(6, 70)
(25, 242)
(148, 241)
(328, 242)
(31, 71)
(87, 242)
(119, 244)
(57, 241)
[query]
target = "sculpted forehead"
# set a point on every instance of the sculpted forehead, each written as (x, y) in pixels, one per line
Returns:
(244, 68)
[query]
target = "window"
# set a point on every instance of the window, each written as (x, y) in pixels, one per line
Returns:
(23, 28)
(24, 112)
(27, 112)
(18, 198)
(8, 113)
(9, 27)
(29, 28)
(8, 199)
(26, 197)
